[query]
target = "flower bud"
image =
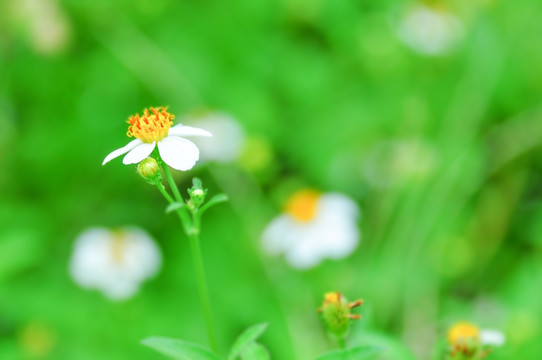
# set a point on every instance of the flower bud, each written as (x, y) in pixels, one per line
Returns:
(336, 313)
(150, 171)
(465, 342)
(197, 194)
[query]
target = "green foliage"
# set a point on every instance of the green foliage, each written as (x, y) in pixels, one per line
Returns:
(363, 352)
(245, 340)
(179, 349)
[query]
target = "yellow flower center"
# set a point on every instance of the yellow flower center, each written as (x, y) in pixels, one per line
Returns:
(332, 298)
(303, 205)
(118, 247)
(152, 126)
(462, 332)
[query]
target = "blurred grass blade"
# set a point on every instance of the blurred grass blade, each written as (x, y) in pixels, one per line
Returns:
(179, 349)
(249, 336)
(357, 353)
(255, 351)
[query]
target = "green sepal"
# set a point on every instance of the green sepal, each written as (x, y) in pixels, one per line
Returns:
(179, 349)
(248, 337)
(364, 352)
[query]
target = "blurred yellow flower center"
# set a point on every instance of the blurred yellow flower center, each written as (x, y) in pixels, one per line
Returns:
(303, 205)
(332, 298)
(118, 247)
(463, 331)
(152, 126)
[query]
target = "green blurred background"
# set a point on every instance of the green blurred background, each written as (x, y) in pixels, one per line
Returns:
(442, 153)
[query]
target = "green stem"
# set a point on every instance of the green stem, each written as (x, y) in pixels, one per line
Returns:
(182, 212)
(202, 286)
(340, 342)
(192, 229)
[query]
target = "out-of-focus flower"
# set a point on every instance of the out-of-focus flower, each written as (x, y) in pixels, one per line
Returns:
(228, 136)
(337, 314)
(154, 129)
(429, 31)
(46, 24)
(468, 340)
(114, 262)
(313, 227)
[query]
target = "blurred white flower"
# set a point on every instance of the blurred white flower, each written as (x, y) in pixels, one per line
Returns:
(47, 25)
(492, 337)
(313, 227)
(429, 31)
(114, 262)
(228, 140)
(153, 129)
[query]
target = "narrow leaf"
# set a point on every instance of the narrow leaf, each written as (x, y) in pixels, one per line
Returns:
(179, 349)
(174, 206)
(249, 336)
(356, 353)
(255, 351)
(217, 199)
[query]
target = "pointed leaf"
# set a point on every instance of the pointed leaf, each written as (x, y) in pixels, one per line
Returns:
(217, 199)
(174, 206)
(249, 336)
(356, 353)
(179, 349)
(255, 351)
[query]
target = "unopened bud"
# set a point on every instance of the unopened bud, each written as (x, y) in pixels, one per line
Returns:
(150, 171)
(197, 194)
(464, 341)
(337, 314)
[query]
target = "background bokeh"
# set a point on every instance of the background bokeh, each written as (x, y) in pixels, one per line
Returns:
(441, 152)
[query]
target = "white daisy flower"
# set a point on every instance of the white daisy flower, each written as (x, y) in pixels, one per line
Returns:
(114, 262)
(313, 227)
(229, 136)
(429, 31)
(154, 129)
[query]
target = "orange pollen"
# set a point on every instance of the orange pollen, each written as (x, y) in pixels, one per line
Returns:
(461, 332)
(152, 126)
(302, 205)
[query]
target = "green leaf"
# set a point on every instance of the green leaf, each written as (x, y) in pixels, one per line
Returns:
(248, 337)
(179, 349)
(255, 351)
(217, 199)
(174, 206)
(364, 352)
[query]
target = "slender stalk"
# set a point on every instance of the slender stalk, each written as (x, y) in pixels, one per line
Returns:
(202, 286)
(192, 229)
(182, 212)
(340, 342)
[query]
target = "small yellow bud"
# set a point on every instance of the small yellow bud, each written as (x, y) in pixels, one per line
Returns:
(336, 313)
(150, 170)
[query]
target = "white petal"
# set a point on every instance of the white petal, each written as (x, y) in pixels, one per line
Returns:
(138, 153)
(181, 130)
(275, 238)
(303, 255)
(179, 153)
(492, 337)
(123, 150)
